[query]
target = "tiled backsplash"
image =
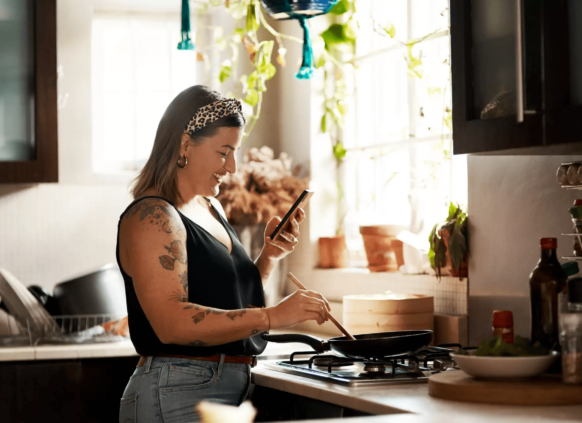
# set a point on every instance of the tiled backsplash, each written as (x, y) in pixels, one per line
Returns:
(52, 232)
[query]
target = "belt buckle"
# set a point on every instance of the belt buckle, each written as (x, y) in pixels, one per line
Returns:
(254, 362)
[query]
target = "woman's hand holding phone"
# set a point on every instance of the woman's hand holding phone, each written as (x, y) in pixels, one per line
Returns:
(286, 240)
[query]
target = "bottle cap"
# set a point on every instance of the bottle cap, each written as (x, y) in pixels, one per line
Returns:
(502, 319)
(549, 243)
(578, 202)
(575, 290)
(571, 268)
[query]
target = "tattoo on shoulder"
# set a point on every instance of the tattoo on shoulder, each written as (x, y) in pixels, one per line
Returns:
(158, 213)
(234, 314)
(177, 252)
(196, 344)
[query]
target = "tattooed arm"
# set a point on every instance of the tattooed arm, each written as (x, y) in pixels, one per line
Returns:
(153, 253)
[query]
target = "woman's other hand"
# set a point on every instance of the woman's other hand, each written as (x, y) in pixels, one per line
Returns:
(299, 307)
(286, 240)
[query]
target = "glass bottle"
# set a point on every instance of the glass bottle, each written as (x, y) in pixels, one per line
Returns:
(547, 281)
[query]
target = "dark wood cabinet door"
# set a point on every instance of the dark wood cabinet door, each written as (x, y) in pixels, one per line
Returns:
(40, 163)
(562, 23)
(496, 65)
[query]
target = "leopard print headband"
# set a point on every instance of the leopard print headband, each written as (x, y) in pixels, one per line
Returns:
(212, 112)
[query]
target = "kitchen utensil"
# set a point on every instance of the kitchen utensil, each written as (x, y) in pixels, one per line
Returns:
(46, 299)
(388, 312)
(25, 308)
(365, 346)
(334, 321)
(99, 292)
(544, 390)
(504, 367)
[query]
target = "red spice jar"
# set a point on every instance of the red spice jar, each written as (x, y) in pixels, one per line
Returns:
(503, 325)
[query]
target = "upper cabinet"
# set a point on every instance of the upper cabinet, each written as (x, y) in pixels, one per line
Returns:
(28, 91)
(517, 76)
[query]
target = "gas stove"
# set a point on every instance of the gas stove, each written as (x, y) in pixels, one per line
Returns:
(406, 368)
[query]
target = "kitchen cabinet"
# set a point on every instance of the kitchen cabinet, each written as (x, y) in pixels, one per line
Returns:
(28, 91)
(85, 390)
(517, 76)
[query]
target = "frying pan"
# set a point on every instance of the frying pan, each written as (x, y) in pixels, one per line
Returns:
(368, 345)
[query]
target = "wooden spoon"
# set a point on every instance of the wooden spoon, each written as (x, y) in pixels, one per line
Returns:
(334, 321)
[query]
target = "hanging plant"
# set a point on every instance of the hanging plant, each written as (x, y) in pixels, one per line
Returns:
(301, 11)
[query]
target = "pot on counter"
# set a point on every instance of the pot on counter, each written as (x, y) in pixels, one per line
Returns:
(99, 292)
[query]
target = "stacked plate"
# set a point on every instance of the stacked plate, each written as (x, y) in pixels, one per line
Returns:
(30, 315)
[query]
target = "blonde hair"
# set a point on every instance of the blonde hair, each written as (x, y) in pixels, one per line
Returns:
(160, 170)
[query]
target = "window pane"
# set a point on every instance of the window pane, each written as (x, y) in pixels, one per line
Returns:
(16, 81)
(137, 70)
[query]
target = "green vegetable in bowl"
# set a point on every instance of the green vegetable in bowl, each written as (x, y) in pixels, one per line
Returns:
(521, 347)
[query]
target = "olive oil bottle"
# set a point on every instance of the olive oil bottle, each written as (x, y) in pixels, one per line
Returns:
(547, 284)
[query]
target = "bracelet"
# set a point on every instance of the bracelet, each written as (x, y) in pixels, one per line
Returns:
(268, 315)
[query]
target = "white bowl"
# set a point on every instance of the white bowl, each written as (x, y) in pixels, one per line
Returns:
(504, 367)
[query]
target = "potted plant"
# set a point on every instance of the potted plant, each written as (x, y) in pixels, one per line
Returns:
(449, 244)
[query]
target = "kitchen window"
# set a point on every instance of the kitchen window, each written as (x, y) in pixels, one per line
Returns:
(399, 167)
(137, 70)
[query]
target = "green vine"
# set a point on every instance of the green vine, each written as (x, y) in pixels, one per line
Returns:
(248, 18)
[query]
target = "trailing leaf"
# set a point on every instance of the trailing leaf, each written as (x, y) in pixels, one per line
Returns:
(340, 7)
(339, 151)
(225, 72)
(252, 97)
(252, 21)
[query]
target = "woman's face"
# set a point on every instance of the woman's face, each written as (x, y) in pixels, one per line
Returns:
(209, 162)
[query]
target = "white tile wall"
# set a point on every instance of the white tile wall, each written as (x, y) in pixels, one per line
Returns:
(52, 232)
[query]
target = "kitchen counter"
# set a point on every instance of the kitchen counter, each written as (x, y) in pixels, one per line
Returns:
(64, 352)
(406, 398)
(113, 349)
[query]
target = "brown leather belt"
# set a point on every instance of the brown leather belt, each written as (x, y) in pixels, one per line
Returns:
(252, 360)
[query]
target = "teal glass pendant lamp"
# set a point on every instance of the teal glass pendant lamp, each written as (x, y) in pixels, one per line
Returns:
(186, 43)
(300, 10)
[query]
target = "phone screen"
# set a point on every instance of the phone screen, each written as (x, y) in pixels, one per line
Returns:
(301, 202)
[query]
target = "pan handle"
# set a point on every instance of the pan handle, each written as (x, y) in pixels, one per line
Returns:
(319, 345)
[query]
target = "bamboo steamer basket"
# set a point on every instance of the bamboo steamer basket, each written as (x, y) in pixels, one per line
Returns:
(388, 312)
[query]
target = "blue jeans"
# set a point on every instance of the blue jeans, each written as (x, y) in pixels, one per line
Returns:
(167, 389)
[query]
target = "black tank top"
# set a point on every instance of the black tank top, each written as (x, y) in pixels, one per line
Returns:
(215, 279)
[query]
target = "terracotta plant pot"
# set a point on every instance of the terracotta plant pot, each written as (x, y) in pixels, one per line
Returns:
(332, 252)
(383, 250)
(463, 271)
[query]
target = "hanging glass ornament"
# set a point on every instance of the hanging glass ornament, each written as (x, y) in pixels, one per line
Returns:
(186, 43)
(300, 10)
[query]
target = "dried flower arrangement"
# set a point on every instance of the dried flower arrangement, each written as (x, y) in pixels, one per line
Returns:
(261, 188)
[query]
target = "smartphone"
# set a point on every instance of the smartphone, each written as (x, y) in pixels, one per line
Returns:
(301, 202)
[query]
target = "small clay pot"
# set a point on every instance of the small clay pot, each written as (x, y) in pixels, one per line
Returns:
(383, 250)
(332, 252)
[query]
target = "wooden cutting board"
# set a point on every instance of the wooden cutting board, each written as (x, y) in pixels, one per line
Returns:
(456, 385)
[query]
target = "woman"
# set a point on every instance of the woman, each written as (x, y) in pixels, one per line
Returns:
(195, 299)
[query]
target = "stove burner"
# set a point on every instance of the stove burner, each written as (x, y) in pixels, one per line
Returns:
(374, 367)
(327, 360)
(412, 367)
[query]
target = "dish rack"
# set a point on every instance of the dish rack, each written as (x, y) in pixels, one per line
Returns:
(64, 330)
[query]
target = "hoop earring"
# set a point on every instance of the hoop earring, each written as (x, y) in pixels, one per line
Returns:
(182, 165)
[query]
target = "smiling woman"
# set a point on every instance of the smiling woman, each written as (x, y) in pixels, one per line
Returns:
(195, 298)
